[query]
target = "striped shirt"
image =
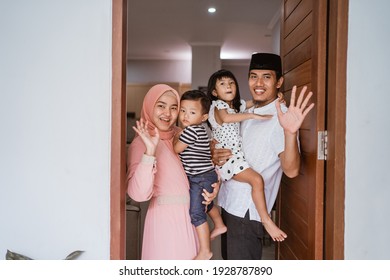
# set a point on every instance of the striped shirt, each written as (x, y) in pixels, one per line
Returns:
(196, 158)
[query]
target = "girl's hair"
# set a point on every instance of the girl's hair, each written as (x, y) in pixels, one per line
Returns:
(213, 82)
(196, 95)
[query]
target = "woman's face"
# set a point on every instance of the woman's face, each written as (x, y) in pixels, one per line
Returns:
(165, 111)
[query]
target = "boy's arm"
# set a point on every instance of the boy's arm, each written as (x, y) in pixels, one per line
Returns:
(178, 146)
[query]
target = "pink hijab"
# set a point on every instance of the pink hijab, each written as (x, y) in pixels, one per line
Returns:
(150, 100)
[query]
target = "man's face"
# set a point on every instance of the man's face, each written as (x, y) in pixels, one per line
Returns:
(263, 86)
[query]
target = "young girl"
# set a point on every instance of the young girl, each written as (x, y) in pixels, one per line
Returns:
(193, 147)
(226, 113)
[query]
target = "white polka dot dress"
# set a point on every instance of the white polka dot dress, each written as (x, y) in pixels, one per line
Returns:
(228, 137)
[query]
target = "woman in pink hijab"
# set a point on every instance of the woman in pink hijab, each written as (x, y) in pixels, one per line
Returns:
(155, 173)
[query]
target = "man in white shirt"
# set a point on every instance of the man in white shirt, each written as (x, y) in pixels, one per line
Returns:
(271, 147)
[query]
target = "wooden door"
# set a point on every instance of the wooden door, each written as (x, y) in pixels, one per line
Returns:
(301, 200)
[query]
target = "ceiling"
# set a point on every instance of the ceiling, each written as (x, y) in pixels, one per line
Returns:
(166, 29)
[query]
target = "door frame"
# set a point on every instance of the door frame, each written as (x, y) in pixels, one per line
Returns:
(336, 128)
(118, 132)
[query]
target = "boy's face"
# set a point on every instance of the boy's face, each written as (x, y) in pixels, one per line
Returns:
(191, 113)
(264, 86)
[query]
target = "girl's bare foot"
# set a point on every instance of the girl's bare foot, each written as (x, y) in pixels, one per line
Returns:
(217, 231)
(204, 256)
(276, 233)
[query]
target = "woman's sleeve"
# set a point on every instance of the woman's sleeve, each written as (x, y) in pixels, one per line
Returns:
(140, 172)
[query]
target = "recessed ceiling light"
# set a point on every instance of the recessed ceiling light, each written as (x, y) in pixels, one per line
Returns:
(212, 10)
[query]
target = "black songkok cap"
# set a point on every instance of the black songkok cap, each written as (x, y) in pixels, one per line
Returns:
(266, 61)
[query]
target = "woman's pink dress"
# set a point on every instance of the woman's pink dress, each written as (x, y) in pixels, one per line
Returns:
(168, 232)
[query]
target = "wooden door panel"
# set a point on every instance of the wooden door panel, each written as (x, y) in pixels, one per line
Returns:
(298, 35)
(298, 76)
(300, 12)
(298, 229)
(289, 253)
(300, 202)
(298, 55)
(296, 244)
(300, 188)
(308, 143)
(308, 163)
(297, 206)
(289, 7)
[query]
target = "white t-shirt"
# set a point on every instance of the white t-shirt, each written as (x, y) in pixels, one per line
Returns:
(263, 141)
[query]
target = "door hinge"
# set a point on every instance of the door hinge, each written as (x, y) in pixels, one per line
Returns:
(322, 151)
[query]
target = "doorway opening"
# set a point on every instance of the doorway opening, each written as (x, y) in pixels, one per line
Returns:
(334, 224)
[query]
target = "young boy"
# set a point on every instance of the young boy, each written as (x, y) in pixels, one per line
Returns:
(193, 147)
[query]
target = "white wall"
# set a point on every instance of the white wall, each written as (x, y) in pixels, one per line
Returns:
(367, 206)
(159, 71)
(205, 61)
(55, 102)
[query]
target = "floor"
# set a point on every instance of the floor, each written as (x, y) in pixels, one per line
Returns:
(134, 239)
(269, 251)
